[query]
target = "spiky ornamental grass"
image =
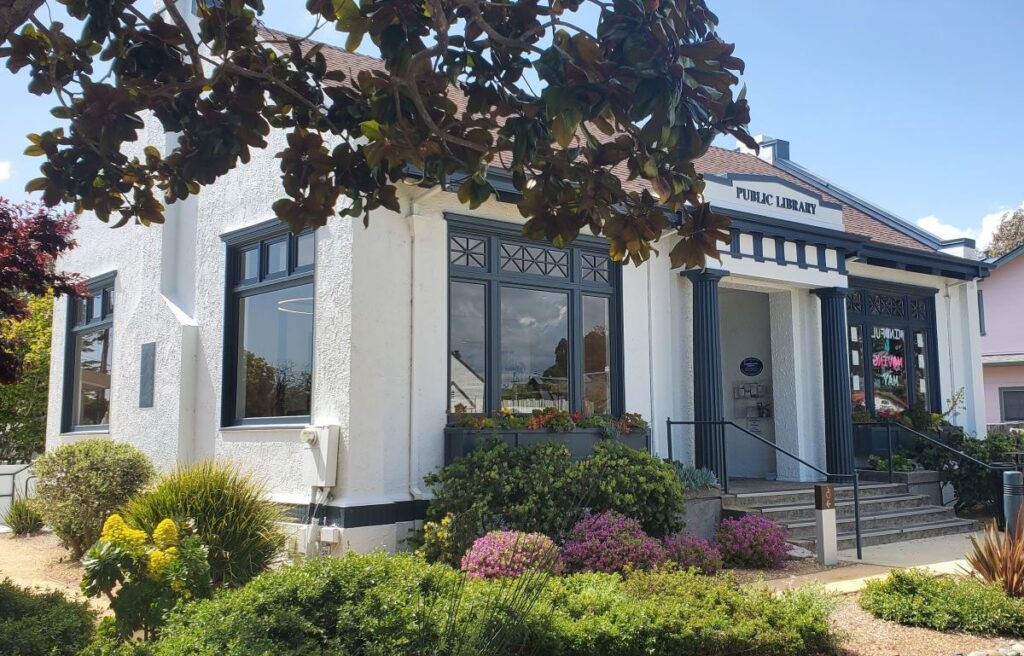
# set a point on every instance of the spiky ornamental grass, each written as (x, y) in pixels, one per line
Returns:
(22, 517)
(999, 557)
(231, 512)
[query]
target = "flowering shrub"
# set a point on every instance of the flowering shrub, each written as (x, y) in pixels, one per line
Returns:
(509, 553)
(610, 542)
(752, 541)
(149, 573)
(692, 551)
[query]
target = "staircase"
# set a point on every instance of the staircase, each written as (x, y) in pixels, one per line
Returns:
(888, 513)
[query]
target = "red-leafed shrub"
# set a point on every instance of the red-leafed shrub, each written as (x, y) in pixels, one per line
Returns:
(752, 541)
(691, 551)
(611, 542)
(509, 553)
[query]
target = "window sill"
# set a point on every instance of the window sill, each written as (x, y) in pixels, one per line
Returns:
(242, 428)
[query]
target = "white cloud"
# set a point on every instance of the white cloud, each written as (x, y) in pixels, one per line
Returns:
(5, 171)
(981, 232)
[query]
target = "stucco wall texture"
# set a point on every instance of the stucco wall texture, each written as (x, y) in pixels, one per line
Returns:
(380, 342)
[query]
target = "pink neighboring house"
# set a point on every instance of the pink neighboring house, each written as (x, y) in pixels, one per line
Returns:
(1002, 342)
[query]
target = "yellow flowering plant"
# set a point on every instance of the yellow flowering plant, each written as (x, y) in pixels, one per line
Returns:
(144, 576)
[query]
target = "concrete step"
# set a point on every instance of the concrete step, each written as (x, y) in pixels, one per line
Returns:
(804, 529)
(805, 496)
(870, 505)
(889, 535)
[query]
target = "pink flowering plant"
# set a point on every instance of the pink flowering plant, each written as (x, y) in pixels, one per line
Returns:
(692, 551)
(501, 554)
(611, 542)
(752, 541)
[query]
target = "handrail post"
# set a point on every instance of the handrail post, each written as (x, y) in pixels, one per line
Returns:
(856, 514)
(888, 439)
(725, 461)
(668, 436)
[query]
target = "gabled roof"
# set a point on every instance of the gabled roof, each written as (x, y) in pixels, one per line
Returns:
(1006, 258)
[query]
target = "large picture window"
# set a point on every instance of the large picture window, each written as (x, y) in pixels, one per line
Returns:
(268, 365)
(892, 333)
(530, 326)
(89, 361)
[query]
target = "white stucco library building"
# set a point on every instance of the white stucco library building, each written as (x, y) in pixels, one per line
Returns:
(221, 335)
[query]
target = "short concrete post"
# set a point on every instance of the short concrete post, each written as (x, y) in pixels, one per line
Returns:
(826, 542)
(1013, 498)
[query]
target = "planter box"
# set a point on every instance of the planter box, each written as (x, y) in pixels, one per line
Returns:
(922, 481)
(703, 513)
(580, 442)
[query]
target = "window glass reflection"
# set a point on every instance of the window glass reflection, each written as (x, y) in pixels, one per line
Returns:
(534, 349)
(93, 358)
(275, 361)
(277, 257)
(468, 356)
(597, 386)
(304, 250)
(889, 372)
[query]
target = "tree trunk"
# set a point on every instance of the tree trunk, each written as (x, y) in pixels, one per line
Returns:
(14, 13)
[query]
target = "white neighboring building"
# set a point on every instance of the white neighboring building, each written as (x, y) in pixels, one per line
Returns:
(219, 335)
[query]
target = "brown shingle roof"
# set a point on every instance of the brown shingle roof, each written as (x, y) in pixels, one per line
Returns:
(717, 161)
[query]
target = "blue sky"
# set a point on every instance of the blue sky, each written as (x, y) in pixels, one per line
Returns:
(912, 104)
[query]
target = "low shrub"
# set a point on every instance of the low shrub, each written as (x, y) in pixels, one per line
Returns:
(78, 485)
(636, 484)
(944, 603)
(230, 511)
(337, 606)
(509, 553)
(900, 463)
(533, 489)
(35, 623)
(611, 542)
(143, 575)
(22, 517)
(999, 557)
(691, 551)
(696, 478)
(752, 541)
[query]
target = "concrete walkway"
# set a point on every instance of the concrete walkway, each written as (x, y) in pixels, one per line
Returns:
(942, 555)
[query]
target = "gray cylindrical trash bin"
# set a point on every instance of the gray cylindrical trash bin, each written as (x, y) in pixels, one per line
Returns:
(1013, 498)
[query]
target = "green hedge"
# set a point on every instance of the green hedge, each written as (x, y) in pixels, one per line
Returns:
(34, 623)
(363, 605)
(944, 603)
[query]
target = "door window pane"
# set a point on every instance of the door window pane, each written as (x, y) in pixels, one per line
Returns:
(249, 264)
(857, 368)
(888, 367)
(597, 384)
(275, 361)
(920, 368)
(93, 355)
(468, 357)
(534, 349)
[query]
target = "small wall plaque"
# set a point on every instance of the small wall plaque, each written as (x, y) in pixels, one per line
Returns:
(751, 366)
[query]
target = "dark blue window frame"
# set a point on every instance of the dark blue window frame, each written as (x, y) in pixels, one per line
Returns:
(574, 284)
(865, 319)
(237, 287)
(85, 316)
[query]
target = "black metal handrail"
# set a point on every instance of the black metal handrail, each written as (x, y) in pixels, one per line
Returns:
(889, 425)
(669, 423)
(14, 477)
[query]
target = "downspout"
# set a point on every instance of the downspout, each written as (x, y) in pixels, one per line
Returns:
(650, 358)
(414, 491)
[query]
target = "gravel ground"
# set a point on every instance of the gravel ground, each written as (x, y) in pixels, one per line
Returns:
(39, 561)
(796, 567)
(866, 635)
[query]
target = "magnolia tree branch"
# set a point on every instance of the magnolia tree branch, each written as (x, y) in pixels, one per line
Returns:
(14, 14)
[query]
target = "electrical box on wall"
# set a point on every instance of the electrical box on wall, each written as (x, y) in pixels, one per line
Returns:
(321, 463)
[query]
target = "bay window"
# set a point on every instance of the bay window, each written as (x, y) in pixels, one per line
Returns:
(531, 326)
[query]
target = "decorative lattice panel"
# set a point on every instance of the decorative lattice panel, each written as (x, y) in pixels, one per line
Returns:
(854, 302)
(517, 258)
(595, 268)
(468, 251)
(918, 309)
(884, 305)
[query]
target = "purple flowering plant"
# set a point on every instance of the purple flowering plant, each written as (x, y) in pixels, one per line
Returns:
(501, 554)
(611, 542)
(692, 551)
(752, 541)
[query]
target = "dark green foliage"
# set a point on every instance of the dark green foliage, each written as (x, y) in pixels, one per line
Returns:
(974, 486)
(642, 93)
(636, 484)
(540, 489)
(900, 463)
(35, 623)
(22, 517)
(944, 603)
(231, 513)
(381, 605)
(80, 484)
